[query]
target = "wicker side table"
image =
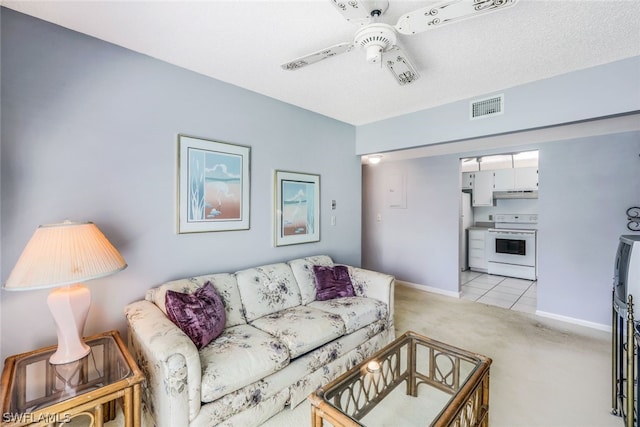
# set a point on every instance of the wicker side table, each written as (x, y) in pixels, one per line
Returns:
(35, 392)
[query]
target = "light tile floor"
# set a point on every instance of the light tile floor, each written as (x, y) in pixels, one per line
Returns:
(506, 292)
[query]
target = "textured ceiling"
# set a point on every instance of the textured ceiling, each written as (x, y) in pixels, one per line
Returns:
(245, 42)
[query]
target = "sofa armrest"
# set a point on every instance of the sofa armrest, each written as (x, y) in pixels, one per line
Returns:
(373, 284)
(170, 362)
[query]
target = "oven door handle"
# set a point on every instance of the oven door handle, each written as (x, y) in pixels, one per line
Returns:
(511, 233)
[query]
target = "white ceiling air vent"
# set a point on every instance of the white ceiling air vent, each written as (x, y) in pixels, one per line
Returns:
(487, 107)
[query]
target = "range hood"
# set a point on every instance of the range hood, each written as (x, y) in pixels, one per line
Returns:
(531, 194)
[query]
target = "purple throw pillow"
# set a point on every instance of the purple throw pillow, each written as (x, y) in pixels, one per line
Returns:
(332, 282)
(200, 315)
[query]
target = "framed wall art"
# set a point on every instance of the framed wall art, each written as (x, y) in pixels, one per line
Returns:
(297, 208)
(213, 186)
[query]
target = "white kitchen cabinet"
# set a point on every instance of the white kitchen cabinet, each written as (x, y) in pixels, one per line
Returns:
(467, 180)
(477, 250)
(483, 188)
(526, 178)
(504, 179)
(516, 179)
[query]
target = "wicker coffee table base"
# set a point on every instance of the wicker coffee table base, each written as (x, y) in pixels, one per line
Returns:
(415, 360)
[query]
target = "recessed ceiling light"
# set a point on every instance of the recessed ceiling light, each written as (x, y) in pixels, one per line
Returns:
(374, 160)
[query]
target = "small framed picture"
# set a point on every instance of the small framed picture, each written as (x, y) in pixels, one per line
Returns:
(213, 186)
(297, 208)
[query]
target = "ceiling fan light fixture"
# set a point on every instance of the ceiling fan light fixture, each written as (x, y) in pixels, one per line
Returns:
(375, 39)
(374, 53)
(379, 40)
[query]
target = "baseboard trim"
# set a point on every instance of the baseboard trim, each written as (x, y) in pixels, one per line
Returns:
(573, 320)
(431, 289)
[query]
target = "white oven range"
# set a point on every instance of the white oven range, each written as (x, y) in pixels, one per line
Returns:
(512, 246)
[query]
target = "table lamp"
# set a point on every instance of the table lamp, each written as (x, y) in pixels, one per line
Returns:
(63, 255)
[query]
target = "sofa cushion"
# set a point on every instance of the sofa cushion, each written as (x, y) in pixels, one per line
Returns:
(200, 315)
(332, 282)
(302, 328)
(303, 271)
(267, 289)
(355, 312)
(225, 285)
(240, 356)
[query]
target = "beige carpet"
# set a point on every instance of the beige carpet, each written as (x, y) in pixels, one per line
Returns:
(545, 373)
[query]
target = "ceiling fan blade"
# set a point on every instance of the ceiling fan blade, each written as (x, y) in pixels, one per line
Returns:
(360, 11)
(446, 13)
(317, 56)
(397, 63)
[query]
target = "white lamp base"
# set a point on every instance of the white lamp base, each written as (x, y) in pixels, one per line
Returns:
(69, 306)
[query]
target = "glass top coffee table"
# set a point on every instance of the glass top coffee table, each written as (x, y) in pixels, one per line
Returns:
(454, 392)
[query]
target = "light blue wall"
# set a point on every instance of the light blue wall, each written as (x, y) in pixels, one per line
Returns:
(89, 132)
(601, 91)
(417, 244)
(586, 185)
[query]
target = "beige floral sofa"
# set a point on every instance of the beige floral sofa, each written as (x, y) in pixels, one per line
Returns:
(278, 345)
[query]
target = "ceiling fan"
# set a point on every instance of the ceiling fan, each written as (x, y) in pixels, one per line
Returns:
(379, 40)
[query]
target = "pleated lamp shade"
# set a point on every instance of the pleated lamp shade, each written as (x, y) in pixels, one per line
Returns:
(64, 254)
